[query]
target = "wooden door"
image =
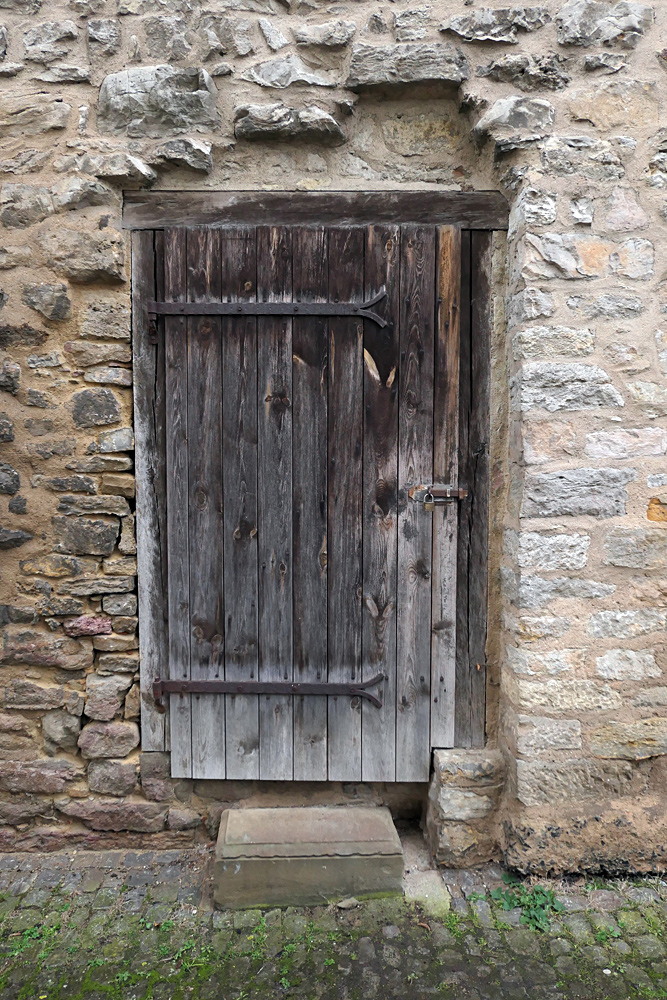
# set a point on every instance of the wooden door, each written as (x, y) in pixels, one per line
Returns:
(295, 553)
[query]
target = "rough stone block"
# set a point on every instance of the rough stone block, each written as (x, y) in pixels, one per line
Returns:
(155, 770)
(328, 34)
(43, 777)
(541, 782)
(626, 624)
(514, 122)
(528, 662)
(392, 66)
(539, 734)
(599, 492)
(108, 739)
(39, 649)
(109, 814)
(636, 548)
(85, 536)
(550, 550)
(627, 443)
(261, 122)
(558, 695)
(85, 256)
(60, 731)
(285, 71)
(630, 740)
(104, 695)
(536, 591)
(552, 342)
(152, 100)
(627, 665)
(498, 25)
(112, 777)
(554, 387)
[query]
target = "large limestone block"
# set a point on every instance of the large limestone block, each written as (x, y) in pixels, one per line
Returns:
(598, 492)
(556, 387)
(542, 782)
(626, 624)
(156, 100)
(636, 548)
(277, 121)
(388, 66)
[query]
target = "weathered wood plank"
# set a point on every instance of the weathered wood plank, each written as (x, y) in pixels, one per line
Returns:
(380, 502)
(462, 726)
(239, 407)
(474, 210)
(345, 433)
(415, 465)
(205, 504)
(309, 478)
(176, 382)
(479, 450)
(445, 470)
(149, 429)
(274, 501)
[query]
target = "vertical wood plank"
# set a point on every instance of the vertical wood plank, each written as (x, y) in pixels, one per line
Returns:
(445, 470)
(380, 502)
(462, 727)
(274, 501)
(176, 382)
(345, 434)
(149, 430)
(239, 416)
(481, 245)
(205, 503)
(415, 465)
(309, 478)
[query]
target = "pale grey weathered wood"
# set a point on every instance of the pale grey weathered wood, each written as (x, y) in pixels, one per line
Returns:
(445, 470)
(380, 502)
(309, 476)
(274, 501)
(176, 381)
(345, 417)
(205, 504)
(239, 405)
(415, 465)
(469, 209)
(148, 381)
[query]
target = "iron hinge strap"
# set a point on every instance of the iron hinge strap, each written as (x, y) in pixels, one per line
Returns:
(363, 309)
(352, 689)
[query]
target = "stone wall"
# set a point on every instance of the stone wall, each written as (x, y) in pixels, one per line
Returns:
(557, 105)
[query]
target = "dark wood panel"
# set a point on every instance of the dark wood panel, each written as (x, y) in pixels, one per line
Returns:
(274, 500)
(345, 431)
(151, 511)
(462, 727)
(205, 503)
(309, 471)
(239, 418)
(415, 465)
(176, 379)
(478, 444)
(472, 210)
(380, 502)
(445, 470)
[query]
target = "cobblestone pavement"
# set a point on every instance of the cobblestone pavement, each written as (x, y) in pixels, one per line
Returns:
(120, 924)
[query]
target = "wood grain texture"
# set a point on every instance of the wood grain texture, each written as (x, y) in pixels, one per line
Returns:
(462, 727)
(149, 431)
(239, 405)
(415, 465)
(309, 476)
(469, 209)
(274, 500)
(445, 470)
(176, 380)
(205, 504)
(345, 433)
(380, 502)
(478, 444)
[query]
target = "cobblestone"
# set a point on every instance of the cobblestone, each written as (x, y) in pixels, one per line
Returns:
(140, 925)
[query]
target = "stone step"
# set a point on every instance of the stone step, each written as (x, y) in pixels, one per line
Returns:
(305, 856)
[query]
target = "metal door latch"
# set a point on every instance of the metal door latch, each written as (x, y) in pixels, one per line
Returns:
(436, 494)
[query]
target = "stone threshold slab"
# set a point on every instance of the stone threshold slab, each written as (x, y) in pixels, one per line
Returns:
(305, 856)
